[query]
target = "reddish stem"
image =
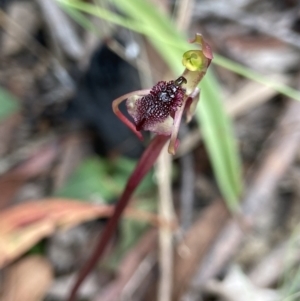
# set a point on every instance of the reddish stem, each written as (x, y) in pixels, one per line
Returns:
(144, 165)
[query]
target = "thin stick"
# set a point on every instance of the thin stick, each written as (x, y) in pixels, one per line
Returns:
(61, 29)
(184, 14)
(132, 271)
(166, 212)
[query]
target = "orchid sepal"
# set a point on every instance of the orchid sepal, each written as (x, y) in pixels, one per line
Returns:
(121, 116)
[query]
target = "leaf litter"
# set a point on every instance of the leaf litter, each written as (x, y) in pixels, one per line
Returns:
(36, 101)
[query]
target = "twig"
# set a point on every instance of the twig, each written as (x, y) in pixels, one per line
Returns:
(128, 267)
(61, 29)
(184, 14)
(195, 245)
(42, 53)
(271, 268)
(33, 46)
(166, 211)
(138, 286)
(250, 96)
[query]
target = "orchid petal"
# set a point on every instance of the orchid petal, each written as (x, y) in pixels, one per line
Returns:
(177, 119)
(121, 116)
(206, 49)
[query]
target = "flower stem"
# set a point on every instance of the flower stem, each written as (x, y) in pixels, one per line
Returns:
(143, 166)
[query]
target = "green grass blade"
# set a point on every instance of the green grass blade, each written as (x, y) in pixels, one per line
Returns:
(218, 136)
(255, 76)
(80, 18)
(109, 16)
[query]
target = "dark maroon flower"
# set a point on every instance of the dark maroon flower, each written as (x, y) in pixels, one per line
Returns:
(160, 109)
(154, 108)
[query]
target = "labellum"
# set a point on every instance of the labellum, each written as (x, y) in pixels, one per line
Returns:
(155, 111)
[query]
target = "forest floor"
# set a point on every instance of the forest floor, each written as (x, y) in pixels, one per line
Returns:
(65, 158)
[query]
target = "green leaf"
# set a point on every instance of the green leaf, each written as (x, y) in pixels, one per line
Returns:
(97, 178)
(250, 74)
(220, 141)
(8, 104)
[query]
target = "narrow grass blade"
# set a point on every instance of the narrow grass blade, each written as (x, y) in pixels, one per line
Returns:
(80, 18)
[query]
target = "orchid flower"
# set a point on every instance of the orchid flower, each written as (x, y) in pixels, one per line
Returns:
(160, 111)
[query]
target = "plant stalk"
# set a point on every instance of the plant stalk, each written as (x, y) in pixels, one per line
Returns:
(143, 167)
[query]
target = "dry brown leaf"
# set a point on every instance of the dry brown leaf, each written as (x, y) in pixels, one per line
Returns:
(27, 280)
(24, 225)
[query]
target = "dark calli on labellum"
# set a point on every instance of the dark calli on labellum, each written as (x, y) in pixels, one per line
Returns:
(162, 101)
